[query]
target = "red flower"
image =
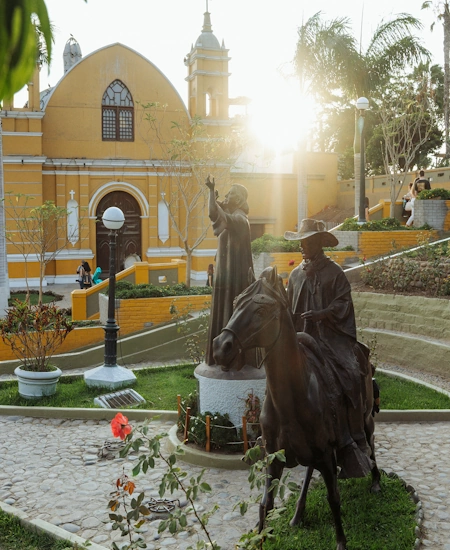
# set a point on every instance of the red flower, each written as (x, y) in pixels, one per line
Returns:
(120, 427)
(291, 262)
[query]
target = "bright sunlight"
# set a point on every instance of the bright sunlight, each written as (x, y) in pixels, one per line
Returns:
(280, 116)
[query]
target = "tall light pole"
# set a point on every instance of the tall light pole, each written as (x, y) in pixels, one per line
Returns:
(110, 375)
(362, 104)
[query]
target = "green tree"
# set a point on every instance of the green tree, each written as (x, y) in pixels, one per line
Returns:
(354, 72)
(443, 15)
(40, 232)
(408, 117)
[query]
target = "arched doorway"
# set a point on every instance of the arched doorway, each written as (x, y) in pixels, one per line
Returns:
(128, 238)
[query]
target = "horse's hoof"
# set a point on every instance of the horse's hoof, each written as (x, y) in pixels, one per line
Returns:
(375, 489)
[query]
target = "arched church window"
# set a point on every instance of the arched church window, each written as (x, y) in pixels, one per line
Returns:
(117, 113)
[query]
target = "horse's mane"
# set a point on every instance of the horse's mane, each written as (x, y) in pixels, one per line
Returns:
(278, 292)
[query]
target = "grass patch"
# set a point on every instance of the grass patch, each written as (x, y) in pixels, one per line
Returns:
(383, 521)
(13, 536)
(159, 386)
(399, 394)
(47, 297)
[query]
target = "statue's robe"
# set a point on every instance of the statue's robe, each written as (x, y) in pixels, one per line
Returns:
(322, 285)
(233, 261)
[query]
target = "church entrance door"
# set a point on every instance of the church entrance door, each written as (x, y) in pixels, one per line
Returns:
(129, 236)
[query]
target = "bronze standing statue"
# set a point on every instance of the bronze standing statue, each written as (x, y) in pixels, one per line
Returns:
(233, 261)
(311, 403)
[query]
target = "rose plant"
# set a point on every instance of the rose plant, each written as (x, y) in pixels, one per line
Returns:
(134, 508)
(34, 333)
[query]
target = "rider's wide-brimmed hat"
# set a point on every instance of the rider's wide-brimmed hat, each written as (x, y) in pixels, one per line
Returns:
(310, 227)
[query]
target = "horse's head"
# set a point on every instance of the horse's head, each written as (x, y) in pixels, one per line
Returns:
(256, 318)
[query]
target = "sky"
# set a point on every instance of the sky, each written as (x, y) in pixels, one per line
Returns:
(261, 37)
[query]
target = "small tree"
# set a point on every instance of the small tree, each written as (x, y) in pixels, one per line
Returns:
(40, 231)
(189, 154)
(408, 116)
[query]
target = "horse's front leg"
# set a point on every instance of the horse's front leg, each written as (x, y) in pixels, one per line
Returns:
(329, 473)
(301, 502)
(274, 471)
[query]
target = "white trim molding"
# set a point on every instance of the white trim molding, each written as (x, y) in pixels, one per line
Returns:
(118, 186)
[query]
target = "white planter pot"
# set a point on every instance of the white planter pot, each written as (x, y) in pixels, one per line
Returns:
(33, 385)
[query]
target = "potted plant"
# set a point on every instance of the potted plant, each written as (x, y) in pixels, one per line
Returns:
(34, 333)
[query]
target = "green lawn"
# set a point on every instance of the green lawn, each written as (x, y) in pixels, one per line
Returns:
(396, 393)
(47, 297)
(160, 386)
(383, 521)
(14, 537)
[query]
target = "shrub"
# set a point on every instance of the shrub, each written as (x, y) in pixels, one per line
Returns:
(270, 243)
(223, 431)
(437, 193)
(126, 290)
(34, 333)
(386, 224)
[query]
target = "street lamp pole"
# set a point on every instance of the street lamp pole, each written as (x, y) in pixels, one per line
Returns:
(111, 328)
(110, 375)
(362, 104)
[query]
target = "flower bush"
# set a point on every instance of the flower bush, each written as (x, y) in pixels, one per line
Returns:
(135, 510)
(426, 269)
(436, 193)
(34, 333)
(386, 224)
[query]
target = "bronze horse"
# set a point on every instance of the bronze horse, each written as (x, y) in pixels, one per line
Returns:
(299, 414)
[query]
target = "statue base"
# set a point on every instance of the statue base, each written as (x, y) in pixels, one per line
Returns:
(225, 392)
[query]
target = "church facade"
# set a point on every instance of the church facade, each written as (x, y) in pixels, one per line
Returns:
(93, 141)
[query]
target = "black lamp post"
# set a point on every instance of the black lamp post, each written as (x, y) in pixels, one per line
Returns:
(362, 104)
(113, 219)
(110, 375)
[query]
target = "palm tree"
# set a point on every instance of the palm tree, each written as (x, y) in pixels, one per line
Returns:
(330, 59)
(444, 16)
(321, 81)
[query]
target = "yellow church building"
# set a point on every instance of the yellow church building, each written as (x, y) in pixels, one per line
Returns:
(87, 144)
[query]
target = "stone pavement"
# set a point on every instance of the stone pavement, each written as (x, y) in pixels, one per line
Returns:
(50, 469)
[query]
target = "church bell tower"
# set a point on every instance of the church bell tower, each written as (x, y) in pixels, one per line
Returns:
(207, 78)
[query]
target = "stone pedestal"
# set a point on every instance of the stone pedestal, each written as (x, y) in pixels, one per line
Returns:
(226, 392)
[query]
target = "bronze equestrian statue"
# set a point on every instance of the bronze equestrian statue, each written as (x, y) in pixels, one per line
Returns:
(304, 411)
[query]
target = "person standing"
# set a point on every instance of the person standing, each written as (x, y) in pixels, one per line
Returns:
(81, 274)
(422, 182)
(87, 275)
(414, 192)
(210, 275)
(233, 261)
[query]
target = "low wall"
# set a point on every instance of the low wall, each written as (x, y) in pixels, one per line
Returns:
(411, 331)
(376, 243)
(136, 314)
(85, 303)
(79, 337)
(434, 212)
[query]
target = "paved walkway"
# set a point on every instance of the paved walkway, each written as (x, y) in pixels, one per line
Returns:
(50, 469)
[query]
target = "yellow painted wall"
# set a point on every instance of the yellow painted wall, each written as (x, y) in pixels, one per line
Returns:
(79, 128)
(132, 315)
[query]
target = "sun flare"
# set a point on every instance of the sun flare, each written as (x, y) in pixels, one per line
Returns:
(281, 116)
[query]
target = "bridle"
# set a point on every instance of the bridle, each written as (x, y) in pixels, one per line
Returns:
(245, 343)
